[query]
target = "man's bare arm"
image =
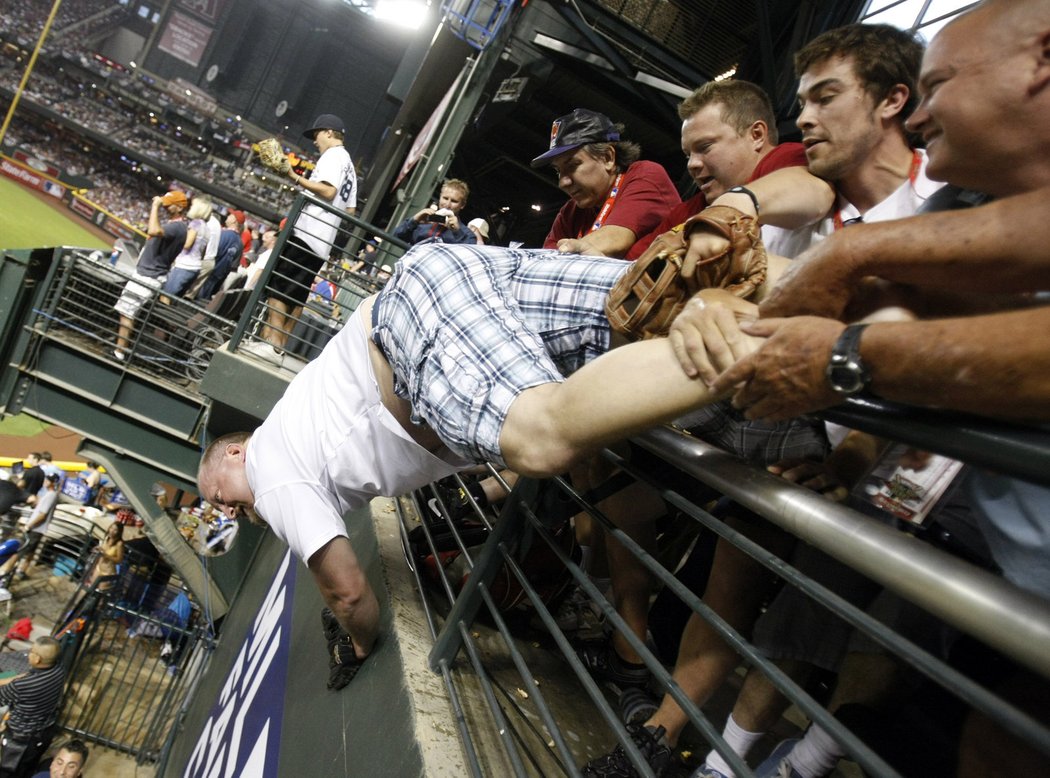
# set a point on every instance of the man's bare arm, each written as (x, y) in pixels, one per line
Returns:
(994, 365)
(346, 591)
(791, 198)
(608, 241)
(1003, 246)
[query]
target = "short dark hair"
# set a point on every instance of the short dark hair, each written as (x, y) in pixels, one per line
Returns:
(75, 746)
(45, 455)
(214, 450)
(743, 104)
(882, 56)
(626, 152)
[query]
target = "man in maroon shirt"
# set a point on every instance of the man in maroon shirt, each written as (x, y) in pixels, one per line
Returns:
(729, 137)
(615, 196)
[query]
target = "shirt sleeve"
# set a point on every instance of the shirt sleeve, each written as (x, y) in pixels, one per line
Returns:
(562, 227)
(678, 214)
(646, 195)
(784, 155)
(9, 694)
(302, 516)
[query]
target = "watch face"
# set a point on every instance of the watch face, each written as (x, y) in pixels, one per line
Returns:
(845, 379)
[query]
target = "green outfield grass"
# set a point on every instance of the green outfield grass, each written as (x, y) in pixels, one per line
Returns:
(26, 222)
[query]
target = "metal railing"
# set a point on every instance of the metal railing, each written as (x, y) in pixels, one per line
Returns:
(533, 732)
(173, 337)
(361, 259)
(135, 663)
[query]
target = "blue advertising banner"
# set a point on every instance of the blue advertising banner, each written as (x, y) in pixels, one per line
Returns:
(242, 736)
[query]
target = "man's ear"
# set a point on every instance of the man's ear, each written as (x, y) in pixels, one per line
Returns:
(758, 134)
(894, 101)
(1041, 74)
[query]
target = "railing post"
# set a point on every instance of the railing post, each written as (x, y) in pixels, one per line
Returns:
(507, 529)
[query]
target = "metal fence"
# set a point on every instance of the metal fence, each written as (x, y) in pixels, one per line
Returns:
(537, 734)
(139, 647)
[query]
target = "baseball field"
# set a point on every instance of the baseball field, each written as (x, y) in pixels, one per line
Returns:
(28, 220)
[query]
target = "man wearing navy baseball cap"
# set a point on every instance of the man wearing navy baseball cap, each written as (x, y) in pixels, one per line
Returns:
(615, 196)
(310, 244)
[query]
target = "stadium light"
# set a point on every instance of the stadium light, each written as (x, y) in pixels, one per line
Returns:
(403, 13)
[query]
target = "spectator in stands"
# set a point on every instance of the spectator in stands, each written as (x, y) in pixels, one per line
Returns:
(228, 258)
(110, 554)
(31, 481)
(729, 136)
(237, 221)
(188, 262)
(33, 699)
(480, 228)
(213, 231)
(36, 527)
(164, 244)
(615, 197)
(68, 762)
(308, 247)
(439, 222)
(48, 466)
(857, 87)
(269, 238)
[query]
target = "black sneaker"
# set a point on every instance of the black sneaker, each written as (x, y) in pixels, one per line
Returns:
(616, 764)
(456, 500)
(604, 664)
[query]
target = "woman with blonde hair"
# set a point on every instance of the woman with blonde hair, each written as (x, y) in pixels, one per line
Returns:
(187, 265)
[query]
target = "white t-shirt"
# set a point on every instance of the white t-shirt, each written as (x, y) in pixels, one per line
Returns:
(330, 446)
(905, 201)
(316, 226)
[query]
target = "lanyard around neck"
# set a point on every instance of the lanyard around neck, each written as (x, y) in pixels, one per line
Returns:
(603, 214)
(913, 174)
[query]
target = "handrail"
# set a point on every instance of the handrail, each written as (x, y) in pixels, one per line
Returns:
(977, 602)
(1020, 451)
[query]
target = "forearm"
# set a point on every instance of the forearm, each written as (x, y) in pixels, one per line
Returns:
(609, 241)
(1003, 246)
(790, 198)
(995, 365)
(321, 189)
(153, 228)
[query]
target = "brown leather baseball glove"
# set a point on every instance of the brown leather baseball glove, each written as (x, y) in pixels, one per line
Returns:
(648, 297)
(271, 155)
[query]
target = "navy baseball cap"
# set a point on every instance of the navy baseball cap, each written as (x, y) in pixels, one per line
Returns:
(577, 129)
(326, 121)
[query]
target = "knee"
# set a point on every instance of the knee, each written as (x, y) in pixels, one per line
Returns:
(533, 440)
(535, 449)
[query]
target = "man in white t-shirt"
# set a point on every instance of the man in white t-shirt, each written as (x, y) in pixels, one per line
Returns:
(310, 244)
(461, 359)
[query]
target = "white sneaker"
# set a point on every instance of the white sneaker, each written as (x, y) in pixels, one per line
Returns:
(262, 350)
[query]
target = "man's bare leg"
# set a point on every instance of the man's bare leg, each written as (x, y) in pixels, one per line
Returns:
(623, 392)
(279, 316)
(633, 510)
(735, 592)
(124, 330)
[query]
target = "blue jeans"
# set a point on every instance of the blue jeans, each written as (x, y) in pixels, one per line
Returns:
(179, 280)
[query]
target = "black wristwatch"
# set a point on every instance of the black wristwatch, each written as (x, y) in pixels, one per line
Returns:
(745, 191)
(845, 371)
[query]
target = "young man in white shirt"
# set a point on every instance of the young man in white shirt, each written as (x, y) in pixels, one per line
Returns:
(310, 244)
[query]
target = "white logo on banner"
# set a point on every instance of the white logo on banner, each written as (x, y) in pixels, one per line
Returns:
(236, 738)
